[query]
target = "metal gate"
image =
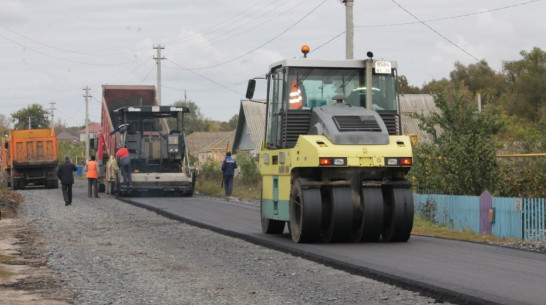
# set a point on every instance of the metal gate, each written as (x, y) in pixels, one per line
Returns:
(533, 218)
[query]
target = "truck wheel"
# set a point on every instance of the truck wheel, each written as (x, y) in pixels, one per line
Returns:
(305, 213)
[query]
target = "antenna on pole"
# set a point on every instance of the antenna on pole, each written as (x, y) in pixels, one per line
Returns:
(158, 59)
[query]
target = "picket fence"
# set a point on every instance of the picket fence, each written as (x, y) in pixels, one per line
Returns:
(523, 218)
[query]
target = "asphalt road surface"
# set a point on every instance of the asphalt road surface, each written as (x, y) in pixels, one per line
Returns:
(468, 272)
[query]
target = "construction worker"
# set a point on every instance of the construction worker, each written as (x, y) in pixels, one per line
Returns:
(228, 169)
(92, 169)
(295, 101)
(124, 161)
(65, 173)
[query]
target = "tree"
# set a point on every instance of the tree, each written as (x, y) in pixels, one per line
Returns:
(4, 125)
(479, 78)
(35, 115)
(404, 87)
(527, 81)
(461, 157)
(195, 120)
(436, 86)
(230, 125)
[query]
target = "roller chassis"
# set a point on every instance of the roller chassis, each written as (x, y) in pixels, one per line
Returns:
(342, 204)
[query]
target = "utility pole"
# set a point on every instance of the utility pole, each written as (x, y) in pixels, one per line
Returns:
(53, 116)
(87, 96)
(158, 59)
(349, 28)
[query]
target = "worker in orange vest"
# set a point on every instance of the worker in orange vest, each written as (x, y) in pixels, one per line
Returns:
(295, 101)
(92, 169)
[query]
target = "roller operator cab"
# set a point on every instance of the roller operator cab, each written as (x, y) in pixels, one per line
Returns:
(333, 160)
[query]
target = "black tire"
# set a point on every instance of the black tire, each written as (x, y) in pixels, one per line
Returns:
(372, 214)
(271, 226)
(305, 213)
(338, 219)
(398, 215)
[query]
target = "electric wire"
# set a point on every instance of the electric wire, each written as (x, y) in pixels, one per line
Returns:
(436, 32)
(223, 38)
(261, 45)
(216, 26)
(206, 78)
(62, 59)
(428, 20)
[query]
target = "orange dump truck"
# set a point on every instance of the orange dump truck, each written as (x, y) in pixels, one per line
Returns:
(29, 157)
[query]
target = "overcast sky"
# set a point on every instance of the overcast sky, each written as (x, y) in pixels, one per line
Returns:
(51, 50)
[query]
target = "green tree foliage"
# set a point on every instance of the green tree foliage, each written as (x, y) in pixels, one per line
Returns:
(436, 86)
(233, 122)
(521, 176)
(4, 125)
(527, 83)
(210, 170)
(37, 115)
(404, 87)
(461, 157)
(74, 150)
(195, 120)
(248, 168)
(479, 78)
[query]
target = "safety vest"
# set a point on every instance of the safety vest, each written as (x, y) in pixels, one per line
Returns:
(92, 169)
(295, 101)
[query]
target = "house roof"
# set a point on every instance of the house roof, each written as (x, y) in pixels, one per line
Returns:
(93, 127)
(416, 103)
(252, 114)
(201, 141)
(67, 136)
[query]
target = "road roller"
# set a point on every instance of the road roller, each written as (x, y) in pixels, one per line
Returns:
(333, 160)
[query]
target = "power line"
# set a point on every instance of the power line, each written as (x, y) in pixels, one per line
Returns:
(206, 78)
(59, 58)
(433, 30)
(428, 20)
(223, 37)
(61, 49)
(449, 17)
(260, 46)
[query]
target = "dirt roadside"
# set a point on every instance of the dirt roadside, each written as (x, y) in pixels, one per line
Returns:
(24, 275)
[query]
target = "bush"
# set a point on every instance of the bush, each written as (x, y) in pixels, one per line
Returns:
(248, 169)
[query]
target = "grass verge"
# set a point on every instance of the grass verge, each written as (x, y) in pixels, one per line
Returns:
(427, 228)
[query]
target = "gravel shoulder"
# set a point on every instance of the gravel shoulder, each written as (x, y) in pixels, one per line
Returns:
(103, 251)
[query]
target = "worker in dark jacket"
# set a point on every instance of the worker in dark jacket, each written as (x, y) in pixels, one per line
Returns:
(228, 169)
(65, 173)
